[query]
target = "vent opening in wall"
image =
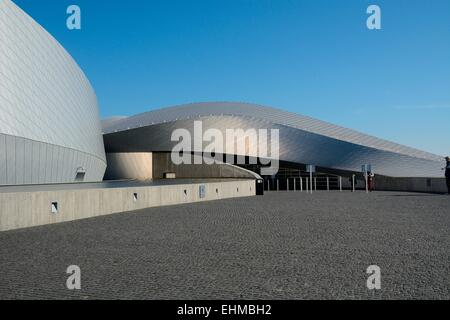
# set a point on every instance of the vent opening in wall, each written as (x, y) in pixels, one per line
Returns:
(79, 177)
(135, 197)
(54, 207)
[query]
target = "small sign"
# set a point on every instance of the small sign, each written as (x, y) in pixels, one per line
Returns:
(202, 191)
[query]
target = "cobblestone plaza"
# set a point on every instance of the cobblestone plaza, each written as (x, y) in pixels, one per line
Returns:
(285, 245)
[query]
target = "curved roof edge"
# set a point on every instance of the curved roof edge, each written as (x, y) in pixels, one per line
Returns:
(256, 111)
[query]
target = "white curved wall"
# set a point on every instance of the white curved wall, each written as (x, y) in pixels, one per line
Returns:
(49, 121)
(129, 165)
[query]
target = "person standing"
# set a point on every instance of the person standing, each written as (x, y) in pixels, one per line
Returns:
(371, 180)
(447, 173)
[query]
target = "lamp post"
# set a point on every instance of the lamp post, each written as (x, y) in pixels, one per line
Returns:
(366, 168)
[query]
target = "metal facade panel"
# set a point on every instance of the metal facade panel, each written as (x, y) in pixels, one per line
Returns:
(42, 161)
(28, 162)
(65, 169)
(35, 160)
(3, 175)
(252, 113)
(20, 160)
(59, 165)
(49, 165)
(10, 160)
(296, 145)
(44, 97)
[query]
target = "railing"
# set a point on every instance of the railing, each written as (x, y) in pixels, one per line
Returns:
(304, 183)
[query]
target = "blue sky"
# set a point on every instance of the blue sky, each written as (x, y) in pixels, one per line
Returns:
(311, 57)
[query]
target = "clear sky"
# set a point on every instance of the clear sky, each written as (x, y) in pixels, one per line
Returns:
(313, 57)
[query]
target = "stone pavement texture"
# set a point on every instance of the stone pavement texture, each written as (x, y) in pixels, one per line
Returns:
(285, 245)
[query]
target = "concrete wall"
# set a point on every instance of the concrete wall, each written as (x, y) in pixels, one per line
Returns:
(130, 165)
(28, 209)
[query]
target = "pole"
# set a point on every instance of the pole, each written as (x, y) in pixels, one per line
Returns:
(367, 182)
(295, 184)
(353, 183)
(307, 185)
(311, 182)
(328, 183)
(315, 183)
(340, 183)
(301, 184)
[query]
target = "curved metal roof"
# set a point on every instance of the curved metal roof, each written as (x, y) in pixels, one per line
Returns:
(253, 111)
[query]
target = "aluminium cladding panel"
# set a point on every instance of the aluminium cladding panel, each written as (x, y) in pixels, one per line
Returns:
(339, 147)
(299, 146)
(258, 112)
(305, 147)
(44, 98)
(24, 161)
(3, 169)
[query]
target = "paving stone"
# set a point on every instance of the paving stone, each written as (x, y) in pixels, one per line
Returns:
(285, 245)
